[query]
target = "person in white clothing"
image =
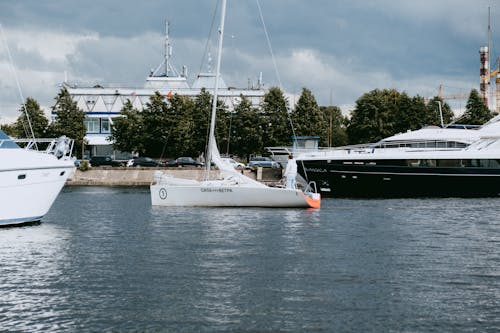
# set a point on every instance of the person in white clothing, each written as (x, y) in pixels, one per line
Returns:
(290, 172)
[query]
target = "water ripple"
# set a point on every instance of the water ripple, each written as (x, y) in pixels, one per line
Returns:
(105, 260)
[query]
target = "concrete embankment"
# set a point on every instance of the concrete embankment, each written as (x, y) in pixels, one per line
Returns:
(113, 176)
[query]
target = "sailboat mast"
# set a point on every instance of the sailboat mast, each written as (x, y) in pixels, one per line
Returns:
(211, 137)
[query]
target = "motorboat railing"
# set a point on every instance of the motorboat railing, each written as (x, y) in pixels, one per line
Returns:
(279, 152)
(283, 150)
(60, 147)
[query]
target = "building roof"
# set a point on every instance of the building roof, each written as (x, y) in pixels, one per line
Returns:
(207, 81)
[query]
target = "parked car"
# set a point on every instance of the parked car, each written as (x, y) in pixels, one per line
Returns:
(264, 162)
(104, 160)
(144, 162)
(183, 161)
(235, 164)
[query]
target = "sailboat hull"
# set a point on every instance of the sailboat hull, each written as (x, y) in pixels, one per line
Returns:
(234, 189)
(230, 196)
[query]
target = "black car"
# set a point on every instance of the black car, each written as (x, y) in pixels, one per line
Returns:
(183, 161)
(145, 162)
(104, 160)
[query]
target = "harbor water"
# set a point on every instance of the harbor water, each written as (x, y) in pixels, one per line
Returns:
(104, 260)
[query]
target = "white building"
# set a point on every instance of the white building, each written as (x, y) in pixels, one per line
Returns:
(102, 104)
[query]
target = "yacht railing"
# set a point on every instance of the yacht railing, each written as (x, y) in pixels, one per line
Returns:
(291, 150)
(60, 147)
(280, 153)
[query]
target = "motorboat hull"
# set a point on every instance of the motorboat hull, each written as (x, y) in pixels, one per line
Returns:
(337, 180)
(26, 195)
(230, 196)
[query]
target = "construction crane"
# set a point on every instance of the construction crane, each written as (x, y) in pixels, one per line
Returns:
(485, 83)
(496, 73)
(443, 97)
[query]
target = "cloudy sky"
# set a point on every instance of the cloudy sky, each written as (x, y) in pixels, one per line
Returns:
(339, 49)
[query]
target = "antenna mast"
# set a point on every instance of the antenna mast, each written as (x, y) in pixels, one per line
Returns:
(167, 48)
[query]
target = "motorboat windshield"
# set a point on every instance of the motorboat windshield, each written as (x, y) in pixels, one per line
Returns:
(6, 142)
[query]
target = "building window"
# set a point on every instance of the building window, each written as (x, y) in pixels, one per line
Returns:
(92, 125)
(105, 125)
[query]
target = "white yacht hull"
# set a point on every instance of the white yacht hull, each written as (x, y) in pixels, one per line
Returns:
(230, 196)
(26, 195)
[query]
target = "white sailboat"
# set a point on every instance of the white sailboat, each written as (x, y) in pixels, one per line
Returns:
(232, 189)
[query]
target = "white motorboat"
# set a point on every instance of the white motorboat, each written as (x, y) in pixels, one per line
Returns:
(231, 188)
(30, 180)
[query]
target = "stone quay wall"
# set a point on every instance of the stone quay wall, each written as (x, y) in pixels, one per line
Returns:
(132, 176)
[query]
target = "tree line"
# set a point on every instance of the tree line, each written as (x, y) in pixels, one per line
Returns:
(68, 121)
(178, 125)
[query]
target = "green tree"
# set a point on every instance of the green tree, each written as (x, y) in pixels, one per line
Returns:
(126, 132)
(8, 129)
(201, 116)
(246, 132)
(158, 123)
(69, 120)
(308, 119)
(222, 121)
(408, 113)
(432, 112)
(336, 134)
(183, 140)
(275, 119)
(382, 113)
(371, 119)
(39, 122)
(476, 112)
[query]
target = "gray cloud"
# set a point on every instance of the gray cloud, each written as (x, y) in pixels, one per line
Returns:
(340, 48)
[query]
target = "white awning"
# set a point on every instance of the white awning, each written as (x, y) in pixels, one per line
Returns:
(97, 140)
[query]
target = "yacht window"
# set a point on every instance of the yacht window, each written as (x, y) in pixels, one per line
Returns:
(413, 163)
(454, 144)
(428, 163)
(22, 176)
(474, 163)
(466, 163)
(489, 164)
(449, 163)
(62, 173)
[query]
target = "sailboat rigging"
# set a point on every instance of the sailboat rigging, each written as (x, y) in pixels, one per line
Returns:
(232, 189)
